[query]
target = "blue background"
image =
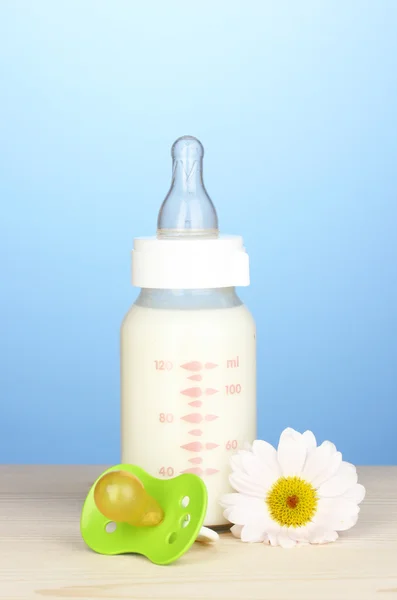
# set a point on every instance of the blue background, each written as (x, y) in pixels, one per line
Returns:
(296, 105)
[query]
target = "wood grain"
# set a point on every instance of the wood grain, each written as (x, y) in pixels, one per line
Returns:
(43, 556)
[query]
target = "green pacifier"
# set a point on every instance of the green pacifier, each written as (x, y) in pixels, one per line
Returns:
(128, 510)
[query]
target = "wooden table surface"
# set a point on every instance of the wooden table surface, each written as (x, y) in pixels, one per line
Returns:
(43, 556)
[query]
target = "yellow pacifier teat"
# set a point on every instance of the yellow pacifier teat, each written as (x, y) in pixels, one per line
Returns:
(129, 511)
(121, 497)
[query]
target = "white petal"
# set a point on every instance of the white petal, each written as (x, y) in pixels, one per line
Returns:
(258, 471)
(243, 454)
(239, 515)
(310, 440)
(330, 470)
(236, 515)
(236, 462)
(291, 432)
(356, 493)
(236, 530)
(228, 500)
(344, 479)
(291, 453)
(284, 540)
(272, 538)
(345, 524)
(298, 534)
(336, 514)
(322, 536)
(247, 514)
(252, 533)
(267, 455)
(245, 484)
(317, 461)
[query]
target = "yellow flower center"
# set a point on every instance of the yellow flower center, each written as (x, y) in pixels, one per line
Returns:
(292, 502)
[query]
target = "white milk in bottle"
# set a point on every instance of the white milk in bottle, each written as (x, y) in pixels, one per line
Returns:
(188, 352)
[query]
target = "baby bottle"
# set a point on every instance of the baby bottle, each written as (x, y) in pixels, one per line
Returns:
(188, 351)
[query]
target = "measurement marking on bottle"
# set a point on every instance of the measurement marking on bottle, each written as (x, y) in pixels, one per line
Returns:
(231, 445)
(193, 392)
(211, 417)
(163, 365)
(233, 389)
(194, 470)
(193, 446)
(194, 365)
(166, 417)
(234, 363)
(211, 445)
(196, 392)
(196, 432)
(210, 392)
(195, 377)
(193, 418)
(197, 460)
(167, 471)
(195, 403)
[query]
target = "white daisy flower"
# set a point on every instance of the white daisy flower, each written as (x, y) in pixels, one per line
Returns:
(299, 493)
